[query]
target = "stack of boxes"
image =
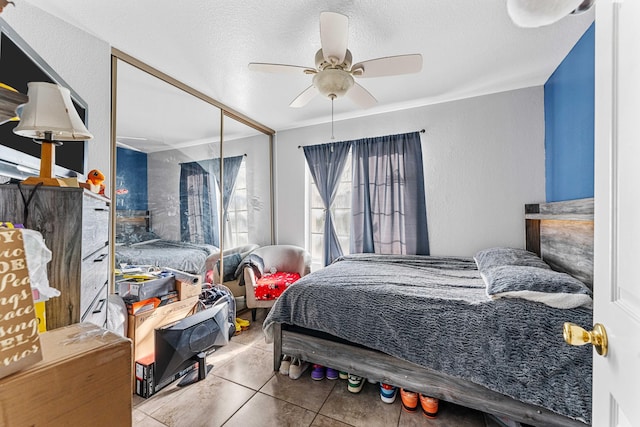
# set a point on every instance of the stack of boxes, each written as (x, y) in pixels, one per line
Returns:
(155, 300)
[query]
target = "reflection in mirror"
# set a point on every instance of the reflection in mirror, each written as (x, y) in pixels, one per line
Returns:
(167, 197)
(246, 186)
(247, 198)
(177, 205)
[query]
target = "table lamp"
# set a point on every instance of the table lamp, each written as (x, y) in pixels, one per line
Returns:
(49, 118)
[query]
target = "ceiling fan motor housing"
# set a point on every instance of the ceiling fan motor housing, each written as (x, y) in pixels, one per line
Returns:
(322, 63)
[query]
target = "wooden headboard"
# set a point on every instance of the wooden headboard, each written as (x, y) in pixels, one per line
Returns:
(561, 233)
(132, 221)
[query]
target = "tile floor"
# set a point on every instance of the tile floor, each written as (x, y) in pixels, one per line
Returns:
(243, 390)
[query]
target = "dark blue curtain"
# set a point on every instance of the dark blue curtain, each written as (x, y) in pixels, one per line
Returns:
(389, 213)
(326, 164)
(198, 208)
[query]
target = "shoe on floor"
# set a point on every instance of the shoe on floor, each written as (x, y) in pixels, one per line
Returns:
(297, 368)
(332, 374)
(355, 383)
(244, 324)
(429, 406)
(388, 393)
(343, 375)
(317, 373)
(285, 363)
(409, 400)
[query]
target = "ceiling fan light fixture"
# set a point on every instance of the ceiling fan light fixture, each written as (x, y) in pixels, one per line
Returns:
(333, 82)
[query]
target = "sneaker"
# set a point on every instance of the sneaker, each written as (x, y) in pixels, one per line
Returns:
(343, 375)
(409, 400)
(388, 393)
(429, 406)
(332, 374)
(297, 368)
(355, 383)
(285, 364)
(317, 373)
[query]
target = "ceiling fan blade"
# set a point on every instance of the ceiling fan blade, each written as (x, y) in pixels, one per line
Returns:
(361, 96)
(304, 98)
(280, 68)
(537, 13)
(334, 35)
(388, 66)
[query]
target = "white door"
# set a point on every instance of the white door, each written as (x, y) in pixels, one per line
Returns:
(616, 377)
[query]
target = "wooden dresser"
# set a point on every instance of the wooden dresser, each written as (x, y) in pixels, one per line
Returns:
(75, 225)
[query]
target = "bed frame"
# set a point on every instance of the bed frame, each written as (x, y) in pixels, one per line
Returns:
(561, 232)
(132, 221)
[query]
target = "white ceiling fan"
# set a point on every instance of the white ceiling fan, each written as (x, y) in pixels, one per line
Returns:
(538, 13)
(334, 74)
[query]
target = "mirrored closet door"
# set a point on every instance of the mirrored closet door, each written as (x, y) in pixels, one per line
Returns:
(177, 205)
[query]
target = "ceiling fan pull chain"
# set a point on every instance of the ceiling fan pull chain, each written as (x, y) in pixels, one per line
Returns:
(332, 137)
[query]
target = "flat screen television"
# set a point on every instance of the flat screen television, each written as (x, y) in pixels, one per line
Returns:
(179, 345)
(19, 65)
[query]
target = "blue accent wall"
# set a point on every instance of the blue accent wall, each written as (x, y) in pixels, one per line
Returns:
(569, 121)
(131, 179)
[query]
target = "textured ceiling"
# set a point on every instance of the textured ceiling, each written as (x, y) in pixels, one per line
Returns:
(469, 48)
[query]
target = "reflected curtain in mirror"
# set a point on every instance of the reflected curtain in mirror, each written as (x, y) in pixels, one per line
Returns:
(230, 174)
(388, 199)
(198, 207)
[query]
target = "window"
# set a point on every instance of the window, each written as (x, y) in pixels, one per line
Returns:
(237, 223)
(341, 209)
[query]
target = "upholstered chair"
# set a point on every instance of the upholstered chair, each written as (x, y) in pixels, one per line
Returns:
(276, 258)
(228, 262)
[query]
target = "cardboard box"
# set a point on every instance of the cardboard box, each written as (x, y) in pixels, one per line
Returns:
(145, 372)
(146, 382)
(141, 327)
(83, 379)
(141, 290)
(188, 290)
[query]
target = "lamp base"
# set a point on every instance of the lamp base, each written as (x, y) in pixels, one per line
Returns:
(49, 182)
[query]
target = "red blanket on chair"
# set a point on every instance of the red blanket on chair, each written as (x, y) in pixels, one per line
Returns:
(271, 286)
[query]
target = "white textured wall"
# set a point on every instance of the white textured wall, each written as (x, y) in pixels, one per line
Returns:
(82, 60)
(484, 159)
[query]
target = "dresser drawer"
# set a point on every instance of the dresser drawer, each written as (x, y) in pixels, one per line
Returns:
(95, 273)
(97, 312)
(95, 224)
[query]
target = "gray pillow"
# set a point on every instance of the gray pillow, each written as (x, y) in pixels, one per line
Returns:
(499, 256)
(549, 287)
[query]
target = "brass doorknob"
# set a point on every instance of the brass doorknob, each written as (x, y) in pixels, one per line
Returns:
(575, 335)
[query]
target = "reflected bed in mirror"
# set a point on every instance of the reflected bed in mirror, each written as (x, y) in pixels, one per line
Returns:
(137, 245)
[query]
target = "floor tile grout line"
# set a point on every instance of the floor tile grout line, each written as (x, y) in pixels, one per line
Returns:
(241, 406)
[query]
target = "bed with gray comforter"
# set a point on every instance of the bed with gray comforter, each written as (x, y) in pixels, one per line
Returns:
(436, 312)
(182, 256)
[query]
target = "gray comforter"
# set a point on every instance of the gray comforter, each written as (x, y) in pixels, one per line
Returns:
(183, 256)
(434, 311)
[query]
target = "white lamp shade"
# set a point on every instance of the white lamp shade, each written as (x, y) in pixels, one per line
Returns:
(537, 13)
(50, 110)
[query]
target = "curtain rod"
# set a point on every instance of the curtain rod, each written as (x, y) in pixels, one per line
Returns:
(421, 131)
(215, 158)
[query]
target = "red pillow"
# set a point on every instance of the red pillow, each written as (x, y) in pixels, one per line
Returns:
(271, 286)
